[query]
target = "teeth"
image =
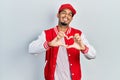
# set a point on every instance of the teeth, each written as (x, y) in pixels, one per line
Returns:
(65, 19)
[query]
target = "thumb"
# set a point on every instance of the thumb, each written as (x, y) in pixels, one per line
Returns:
(70, 46)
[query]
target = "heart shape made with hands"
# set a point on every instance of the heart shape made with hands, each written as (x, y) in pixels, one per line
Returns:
(58, 41)
(73, 43)
(70, 42)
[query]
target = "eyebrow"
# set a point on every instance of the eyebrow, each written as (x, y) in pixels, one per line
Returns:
(65, 11)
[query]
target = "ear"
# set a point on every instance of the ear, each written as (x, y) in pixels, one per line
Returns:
(58, 15)
(72, 18)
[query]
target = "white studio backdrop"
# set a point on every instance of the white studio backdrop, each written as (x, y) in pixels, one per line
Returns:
(21, 21)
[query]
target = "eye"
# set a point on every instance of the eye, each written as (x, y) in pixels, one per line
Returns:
(65, 13)
(70, 14)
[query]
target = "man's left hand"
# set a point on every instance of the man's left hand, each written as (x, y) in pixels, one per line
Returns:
(78, 43)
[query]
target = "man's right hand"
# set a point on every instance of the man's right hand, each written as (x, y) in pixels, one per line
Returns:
(57, 40)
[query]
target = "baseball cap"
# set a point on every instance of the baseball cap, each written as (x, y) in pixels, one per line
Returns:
(67, 6)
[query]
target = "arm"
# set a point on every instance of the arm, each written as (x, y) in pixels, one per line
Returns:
(39, 45)
(89, 51)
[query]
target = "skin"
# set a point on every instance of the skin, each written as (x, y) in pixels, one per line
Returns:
(65, 16)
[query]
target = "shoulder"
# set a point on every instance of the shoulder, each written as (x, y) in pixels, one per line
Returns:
(50, 29)
(75, 30)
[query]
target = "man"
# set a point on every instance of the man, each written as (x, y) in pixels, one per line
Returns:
(63, 45)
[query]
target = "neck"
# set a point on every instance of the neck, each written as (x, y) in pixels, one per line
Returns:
(62, 28)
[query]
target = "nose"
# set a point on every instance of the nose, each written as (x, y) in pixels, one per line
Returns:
(67, 15)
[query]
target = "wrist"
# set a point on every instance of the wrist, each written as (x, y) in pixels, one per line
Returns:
(85, 49)
(46, 45)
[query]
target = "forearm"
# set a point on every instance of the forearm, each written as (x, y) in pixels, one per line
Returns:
(39, 45)
(89, 51)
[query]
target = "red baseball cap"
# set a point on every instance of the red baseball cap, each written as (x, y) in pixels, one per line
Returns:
(67, 6)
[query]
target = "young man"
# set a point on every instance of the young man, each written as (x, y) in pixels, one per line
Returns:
(63, 45)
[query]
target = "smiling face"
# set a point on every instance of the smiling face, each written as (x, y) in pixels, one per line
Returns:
(65, 17)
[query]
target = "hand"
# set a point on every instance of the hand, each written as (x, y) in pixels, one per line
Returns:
(57, 40)
(78, 44)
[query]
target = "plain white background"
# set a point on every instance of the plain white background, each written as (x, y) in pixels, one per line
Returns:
(21, 21)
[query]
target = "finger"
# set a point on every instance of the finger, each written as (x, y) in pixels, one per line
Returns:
(68, 37)
(76, 34)
(77, 37)
(61, 34)
(58, 37)
(62, 44)
(70, 46)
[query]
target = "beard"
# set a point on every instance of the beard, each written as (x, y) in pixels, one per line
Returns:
(63, 23)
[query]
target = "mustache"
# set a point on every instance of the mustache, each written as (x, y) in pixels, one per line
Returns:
(63, 23)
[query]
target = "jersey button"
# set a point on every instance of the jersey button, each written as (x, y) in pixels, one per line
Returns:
(73, 74)
(69, 55)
